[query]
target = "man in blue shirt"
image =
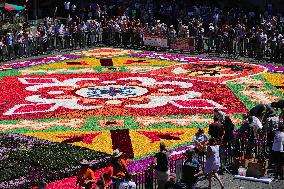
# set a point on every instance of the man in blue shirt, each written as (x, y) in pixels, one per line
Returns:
(191, 170)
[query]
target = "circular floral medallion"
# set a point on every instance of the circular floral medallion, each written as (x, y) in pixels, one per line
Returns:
(113, 91)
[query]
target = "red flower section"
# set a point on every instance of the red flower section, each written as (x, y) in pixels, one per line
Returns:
(157, 136)
(85, 138)
(115, 94)
(213, 71)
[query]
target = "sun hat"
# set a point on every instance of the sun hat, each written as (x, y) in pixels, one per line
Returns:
(116, 153)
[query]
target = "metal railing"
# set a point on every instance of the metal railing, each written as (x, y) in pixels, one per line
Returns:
(196, 44)
(231, 153)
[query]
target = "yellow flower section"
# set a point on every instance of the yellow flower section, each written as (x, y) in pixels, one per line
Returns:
(129, 61)
(95, 62)
(102, 142)
(275, 79)
(82, 63)
(142, 145)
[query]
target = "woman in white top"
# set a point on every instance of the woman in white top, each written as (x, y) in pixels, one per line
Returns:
(213, 163)
(278, 152)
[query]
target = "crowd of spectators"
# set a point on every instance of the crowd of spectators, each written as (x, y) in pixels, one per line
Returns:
(232, 32)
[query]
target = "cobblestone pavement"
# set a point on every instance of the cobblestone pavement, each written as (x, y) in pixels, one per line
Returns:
(231, 183)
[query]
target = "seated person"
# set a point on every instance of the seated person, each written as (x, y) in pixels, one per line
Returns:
(200, 140)
(119, 168)
(191, 170)
(106, 178)
(86, 176)
(128, 183)
(172, 182)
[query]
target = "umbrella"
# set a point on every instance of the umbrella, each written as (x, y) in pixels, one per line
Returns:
(12, 7)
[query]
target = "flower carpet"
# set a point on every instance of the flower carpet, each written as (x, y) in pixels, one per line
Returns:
(62, 109)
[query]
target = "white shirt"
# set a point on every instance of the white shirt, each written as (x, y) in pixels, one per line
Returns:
(73, 7)
(272, 123)
(67, 5)
(278, 142)
(127, 185)
(200, 138)
(256, 123)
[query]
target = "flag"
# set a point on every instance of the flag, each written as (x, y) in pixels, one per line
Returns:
(12, 7)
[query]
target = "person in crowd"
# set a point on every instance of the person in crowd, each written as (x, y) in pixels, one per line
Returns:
(119, 167)
(278, 152)
(216, 130)
(172, 182)
(127, 183)
(229, 128)
(200, 140)
(86, 176)
(232, 32)
(161, 162)
(262, 111)
(191, 169)
(106, 178)
(213, 163)
(278, 105)
(250, 127)
(219, 115)
(250, 134)
(269, 128)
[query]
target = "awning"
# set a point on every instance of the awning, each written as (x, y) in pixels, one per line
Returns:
(12, 7)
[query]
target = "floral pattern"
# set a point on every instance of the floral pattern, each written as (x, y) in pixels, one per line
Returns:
(39, 61)
(103, 99)
(275, 79)
(101, 94)
(104, 52)
(274, 68)
(213, 71)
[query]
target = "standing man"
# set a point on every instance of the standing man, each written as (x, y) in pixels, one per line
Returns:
(67, 8)
(162, 165)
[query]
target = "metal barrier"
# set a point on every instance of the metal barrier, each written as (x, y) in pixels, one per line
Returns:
(194, 44)
(230, 154)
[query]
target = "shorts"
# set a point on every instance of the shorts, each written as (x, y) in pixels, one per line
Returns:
(278, 157)
(161, 175)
